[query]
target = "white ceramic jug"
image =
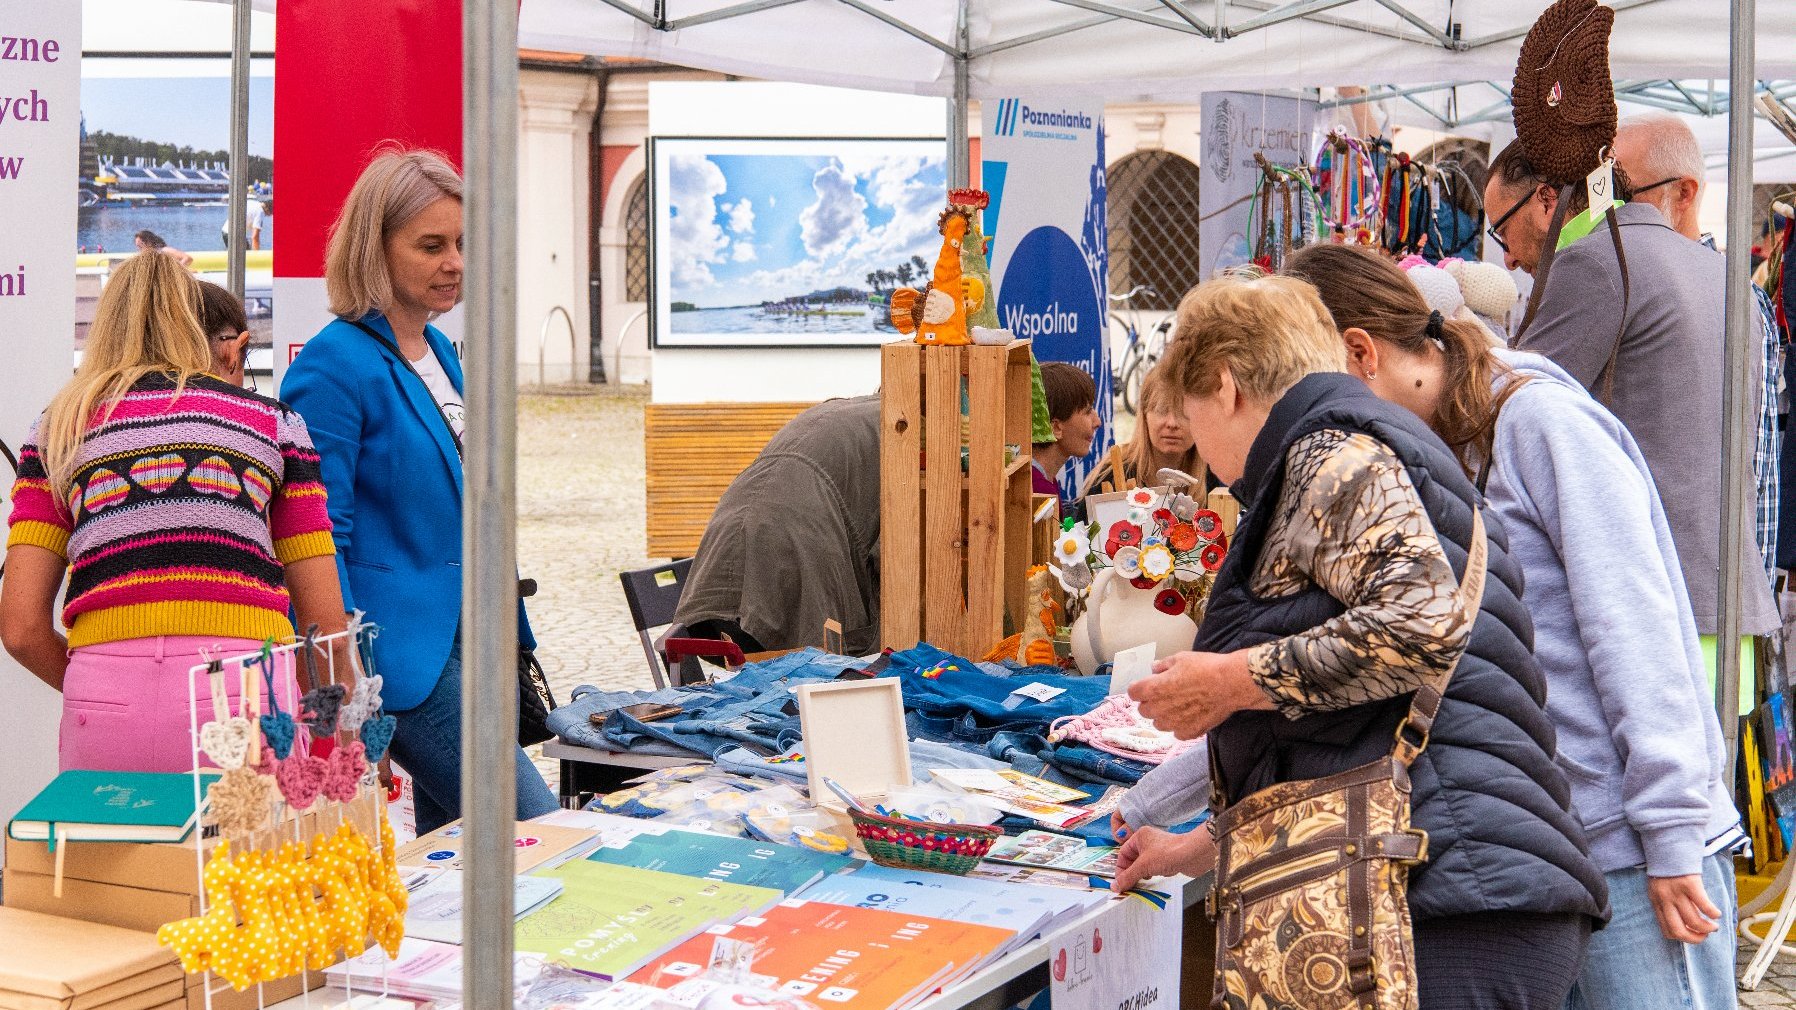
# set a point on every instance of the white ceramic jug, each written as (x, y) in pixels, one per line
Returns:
(1120, 616)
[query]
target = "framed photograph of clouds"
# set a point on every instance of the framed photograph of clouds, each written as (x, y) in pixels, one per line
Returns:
(789, 242)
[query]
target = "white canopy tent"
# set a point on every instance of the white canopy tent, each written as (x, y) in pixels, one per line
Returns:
(1131, 50)
(1115, 50)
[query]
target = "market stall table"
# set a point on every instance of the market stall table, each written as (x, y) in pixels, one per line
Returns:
(588, 770)
(1011, 980)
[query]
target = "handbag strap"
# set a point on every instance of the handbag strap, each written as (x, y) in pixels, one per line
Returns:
(1412, 732)
(1549, 249)
(389, 345)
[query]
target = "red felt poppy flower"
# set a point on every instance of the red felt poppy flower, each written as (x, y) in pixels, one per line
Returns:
(1181, 537)
(1125, 534)
(1208, 524)
(1212, 556)
(1169, 601)
(1111, 546)
(1163, 516)
(1143, 582)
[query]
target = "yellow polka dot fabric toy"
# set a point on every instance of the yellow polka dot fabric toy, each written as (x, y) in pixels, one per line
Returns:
(271, 915)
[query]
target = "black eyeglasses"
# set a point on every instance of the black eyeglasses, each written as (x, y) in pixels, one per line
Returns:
(1495, 231)
(1662, 182)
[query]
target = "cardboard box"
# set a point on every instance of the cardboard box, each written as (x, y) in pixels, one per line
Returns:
(152, 988)
(44, 958)
(138, 908)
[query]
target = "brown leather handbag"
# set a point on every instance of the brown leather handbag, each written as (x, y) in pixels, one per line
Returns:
(1311, 902)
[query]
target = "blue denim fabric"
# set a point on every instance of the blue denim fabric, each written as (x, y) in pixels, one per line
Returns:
(572, 721)
(1092, 765)
(969, 688)
(1631, 966)
(1021, 751)
(427, 744)
(965, 732)
(747, 708)
(743, 762)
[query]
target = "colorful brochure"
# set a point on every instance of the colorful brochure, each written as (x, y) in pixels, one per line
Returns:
(718, 857)
(1055, 852)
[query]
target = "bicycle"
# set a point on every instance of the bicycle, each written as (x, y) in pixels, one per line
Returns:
(1141, 352)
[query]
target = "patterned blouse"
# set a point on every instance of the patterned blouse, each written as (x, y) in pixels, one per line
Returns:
(1350, 521)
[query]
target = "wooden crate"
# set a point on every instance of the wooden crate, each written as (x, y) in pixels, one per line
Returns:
(692, 453)
(954, 546)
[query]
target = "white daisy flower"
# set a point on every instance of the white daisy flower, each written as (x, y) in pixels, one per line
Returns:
(1128, 562)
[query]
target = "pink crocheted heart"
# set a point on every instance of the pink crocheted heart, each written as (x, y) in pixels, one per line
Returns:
(344, 773)
(301, 776)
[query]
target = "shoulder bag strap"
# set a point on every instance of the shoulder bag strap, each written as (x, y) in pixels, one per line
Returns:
(1412, 733)
(1549, 248)
(1621, 328)
(397, 353)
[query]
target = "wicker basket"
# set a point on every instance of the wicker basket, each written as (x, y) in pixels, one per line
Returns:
(923, 845)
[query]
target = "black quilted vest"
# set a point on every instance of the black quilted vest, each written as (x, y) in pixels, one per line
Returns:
(1495, 806)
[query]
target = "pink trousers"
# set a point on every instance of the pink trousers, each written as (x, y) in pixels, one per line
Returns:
(125, 704)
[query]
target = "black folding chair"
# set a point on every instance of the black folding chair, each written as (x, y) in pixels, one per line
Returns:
(654, 594)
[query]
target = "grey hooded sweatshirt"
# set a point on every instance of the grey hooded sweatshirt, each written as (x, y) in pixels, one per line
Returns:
(1613, 632)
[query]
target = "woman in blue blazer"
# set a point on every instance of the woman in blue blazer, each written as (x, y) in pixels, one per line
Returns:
(380, 389)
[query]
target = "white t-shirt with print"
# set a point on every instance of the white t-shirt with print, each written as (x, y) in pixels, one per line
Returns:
(431, 371)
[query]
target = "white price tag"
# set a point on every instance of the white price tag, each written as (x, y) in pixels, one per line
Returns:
(1600, 187)
(1040, 692)
(1131, 665)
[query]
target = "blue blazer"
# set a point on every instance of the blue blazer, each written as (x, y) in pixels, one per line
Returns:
(395, 483)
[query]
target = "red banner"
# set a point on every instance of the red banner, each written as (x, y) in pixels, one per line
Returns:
(354, 73)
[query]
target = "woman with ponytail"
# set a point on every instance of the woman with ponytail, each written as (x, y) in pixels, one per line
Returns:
(1613, 628)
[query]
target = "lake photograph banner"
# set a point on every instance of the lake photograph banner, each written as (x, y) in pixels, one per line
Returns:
(789, 242)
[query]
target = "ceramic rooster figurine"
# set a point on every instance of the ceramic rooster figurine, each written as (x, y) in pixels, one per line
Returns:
(938, 313)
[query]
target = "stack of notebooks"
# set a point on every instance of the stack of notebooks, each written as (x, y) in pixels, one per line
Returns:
(1023, 910)
(49, 963)
(835, 955)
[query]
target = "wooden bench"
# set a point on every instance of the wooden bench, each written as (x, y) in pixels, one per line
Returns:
(693, 451)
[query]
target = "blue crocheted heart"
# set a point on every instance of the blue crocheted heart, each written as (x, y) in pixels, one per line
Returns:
(277, 727)
(377, 733)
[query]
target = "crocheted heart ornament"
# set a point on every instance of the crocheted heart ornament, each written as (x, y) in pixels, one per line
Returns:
(362, 704)
(343, 776)
(157, 474)
(320, 707)
(301, 778)
(377, 734)
(226, 741)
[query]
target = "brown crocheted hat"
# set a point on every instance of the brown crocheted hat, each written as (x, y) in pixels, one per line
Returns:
(1563, 98)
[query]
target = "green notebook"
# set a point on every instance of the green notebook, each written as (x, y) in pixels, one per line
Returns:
(93, 806)
(732, 860)
(611, 920)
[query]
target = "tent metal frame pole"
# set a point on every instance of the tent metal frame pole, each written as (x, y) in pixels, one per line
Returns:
(960, 170)
(489, 614)
(237, 249)
(1737, 399)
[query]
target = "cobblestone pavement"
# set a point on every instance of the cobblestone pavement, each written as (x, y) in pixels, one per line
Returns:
(581, 521)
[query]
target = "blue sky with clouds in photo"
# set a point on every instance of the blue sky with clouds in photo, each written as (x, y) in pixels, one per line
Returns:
(746, 228)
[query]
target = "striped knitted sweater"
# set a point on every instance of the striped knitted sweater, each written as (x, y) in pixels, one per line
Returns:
(182, 513)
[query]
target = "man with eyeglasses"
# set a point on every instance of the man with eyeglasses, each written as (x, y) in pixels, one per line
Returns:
(1662, 148)
(1661, 375)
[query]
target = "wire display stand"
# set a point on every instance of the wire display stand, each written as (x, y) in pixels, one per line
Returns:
(284, 823)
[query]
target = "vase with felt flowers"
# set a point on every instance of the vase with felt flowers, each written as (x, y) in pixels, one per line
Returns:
(1139, 578)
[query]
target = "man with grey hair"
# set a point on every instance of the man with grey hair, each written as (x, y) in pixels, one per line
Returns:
(1659, 152)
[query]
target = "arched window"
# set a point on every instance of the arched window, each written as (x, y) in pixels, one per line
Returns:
(636, 241)
(1152, 207)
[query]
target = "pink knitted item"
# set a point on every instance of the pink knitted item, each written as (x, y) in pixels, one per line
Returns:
(343, 776)
(1116, 727)
(301, 776)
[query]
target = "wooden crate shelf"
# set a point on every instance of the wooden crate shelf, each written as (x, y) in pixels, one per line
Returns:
(954, 545)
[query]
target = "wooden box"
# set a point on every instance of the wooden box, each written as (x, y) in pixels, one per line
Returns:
(954, 544)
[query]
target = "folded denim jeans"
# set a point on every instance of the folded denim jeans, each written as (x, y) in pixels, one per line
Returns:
(572, 722)
(940, 684)
(734, 711)
(1092, 765)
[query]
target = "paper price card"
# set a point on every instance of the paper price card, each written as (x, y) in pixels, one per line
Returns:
(1125, 959)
